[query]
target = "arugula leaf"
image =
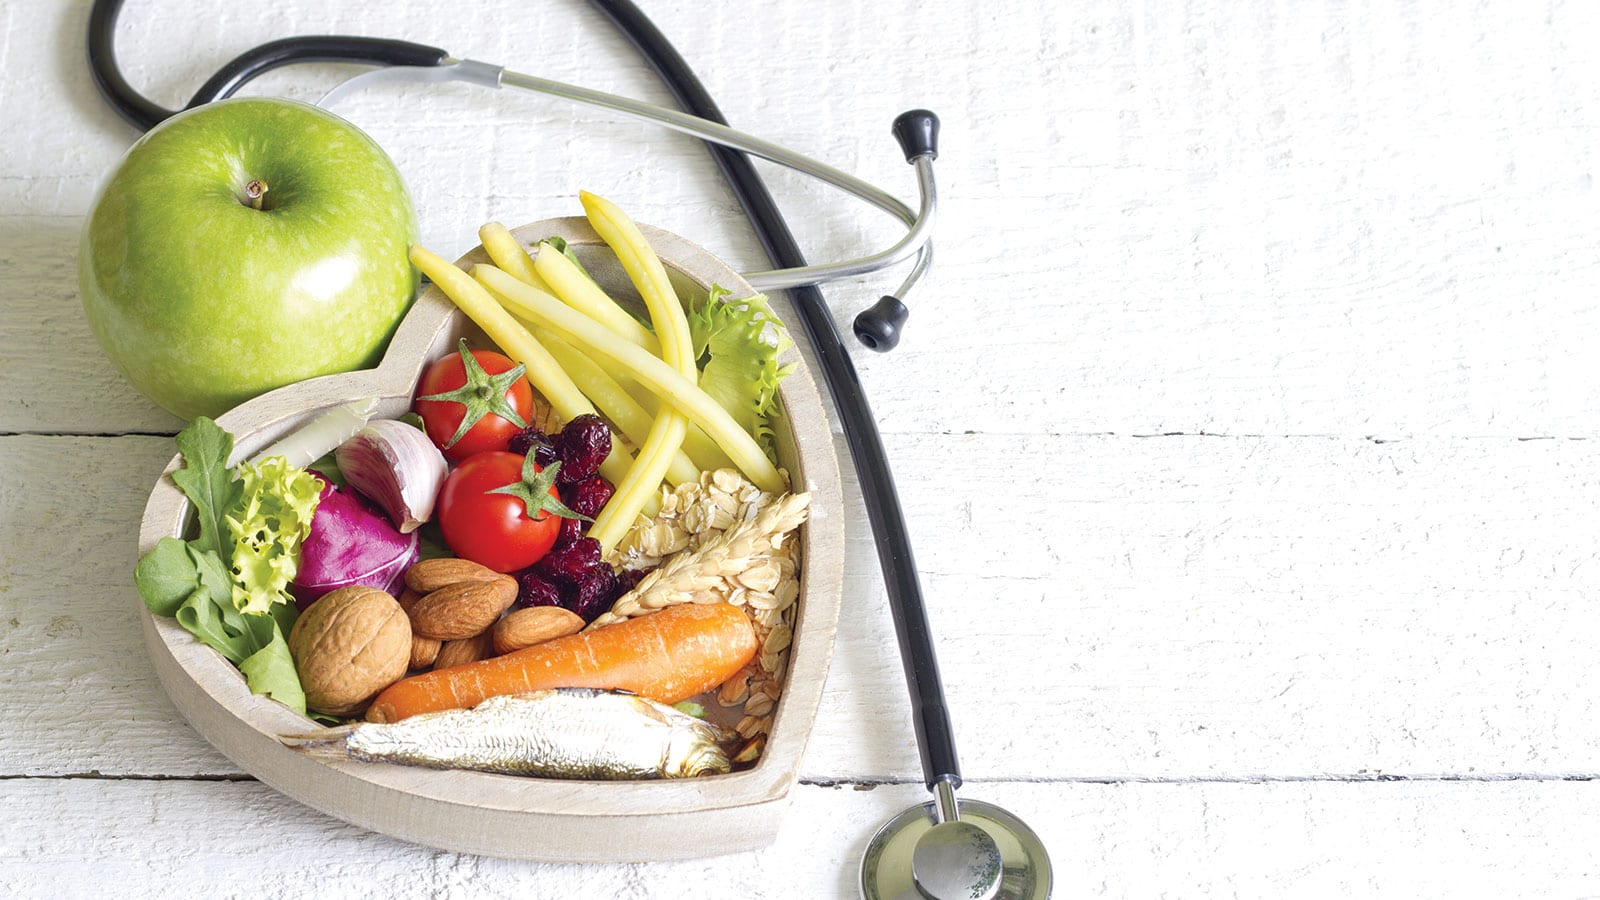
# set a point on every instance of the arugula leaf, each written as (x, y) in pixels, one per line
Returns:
(202, 617)
(328, 468)
(173, 571)
(206, 481)
(214, 575)
(166, 576)
(738, 343)
(270, 671)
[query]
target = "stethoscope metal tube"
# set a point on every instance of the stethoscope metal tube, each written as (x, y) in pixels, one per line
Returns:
(920, 153)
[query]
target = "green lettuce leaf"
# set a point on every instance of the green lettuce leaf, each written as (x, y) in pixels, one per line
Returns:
(737, 343)
(268, 519)
(166, 576)
(270, 670)
(205, 479)
(210, 623)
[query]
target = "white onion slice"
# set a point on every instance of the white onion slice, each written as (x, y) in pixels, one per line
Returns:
(319, 437)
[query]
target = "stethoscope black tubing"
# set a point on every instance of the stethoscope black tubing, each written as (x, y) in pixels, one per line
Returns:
(144, 114)
(931, 717)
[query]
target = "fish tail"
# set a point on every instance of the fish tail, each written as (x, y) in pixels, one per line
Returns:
(324, 743)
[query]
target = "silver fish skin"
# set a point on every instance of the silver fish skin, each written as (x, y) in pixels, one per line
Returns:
(560, 733)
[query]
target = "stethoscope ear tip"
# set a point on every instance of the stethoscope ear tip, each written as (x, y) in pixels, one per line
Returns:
(917, 130)
(878, 326)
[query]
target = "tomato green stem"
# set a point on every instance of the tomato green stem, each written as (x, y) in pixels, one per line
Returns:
(534, 491)
(482, 394)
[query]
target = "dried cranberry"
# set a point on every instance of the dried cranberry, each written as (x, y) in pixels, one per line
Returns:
(581, 446)
(531, 438)
(571, 531)
(587, 497)
(569, 564)
(533, 590)
(594, 594)
(628, 579)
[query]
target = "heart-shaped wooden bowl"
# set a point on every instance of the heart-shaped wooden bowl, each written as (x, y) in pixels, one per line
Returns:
(498, 815)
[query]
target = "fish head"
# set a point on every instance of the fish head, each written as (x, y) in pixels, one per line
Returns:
(693, 750)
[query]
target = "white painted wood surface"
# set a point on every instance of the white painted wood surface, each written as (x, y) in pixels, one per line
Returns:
(1247, 432)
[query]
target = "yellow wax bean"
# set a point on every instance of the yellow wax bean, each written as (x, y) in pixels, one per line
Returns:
(606, 392)
(567, 282)
(507, 253)
(700, 447)
(614, 402)
(644, 268)
(644, 476)
(649, 370)
(672, 331)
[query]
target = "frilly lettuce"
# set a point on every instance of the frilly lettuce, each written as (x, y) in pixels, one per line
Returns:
(737, 343)
(267, 521)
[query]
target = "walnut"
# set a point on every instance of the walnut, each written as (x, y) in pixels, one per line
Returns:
(348, 646)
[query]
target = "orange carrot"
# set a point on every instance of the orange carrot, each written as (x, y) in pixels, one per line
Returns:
(667, 656)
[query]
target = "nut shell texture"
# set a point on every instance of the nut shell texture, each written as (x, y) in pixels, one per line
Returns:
(348, 646)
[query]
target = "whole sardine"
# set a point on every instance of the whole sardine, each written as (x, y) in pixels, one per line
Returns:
(562, 733)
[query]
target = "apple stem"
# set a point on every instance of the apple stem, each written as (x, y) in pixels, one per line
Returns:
(254, 192)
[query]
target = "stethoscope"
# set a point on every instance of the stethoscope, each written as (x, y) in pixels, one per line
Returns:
(944, 848)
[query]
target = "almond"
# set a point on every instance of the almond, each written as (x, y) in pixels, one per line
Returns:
(463, 609)
(423, 650)
(466, 650)
(534, 625)
(431, 574)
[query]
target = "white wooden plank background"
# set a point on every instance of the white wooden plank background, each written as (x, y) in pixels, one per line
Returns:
(1247, 433)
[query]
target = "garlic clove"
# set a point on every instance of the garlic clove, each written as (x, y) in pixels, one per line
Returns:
(395, 466)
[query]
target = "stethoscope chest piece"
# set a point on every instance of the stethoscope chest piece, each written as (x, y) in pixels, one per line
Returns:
(895, 852)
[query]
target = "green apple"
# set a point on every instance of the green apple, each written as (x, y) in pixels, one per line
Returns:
(244, 245)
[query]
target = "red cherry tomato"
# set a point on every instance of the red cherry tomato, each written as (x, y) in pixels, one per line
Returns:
(494, 529)
(481, 392)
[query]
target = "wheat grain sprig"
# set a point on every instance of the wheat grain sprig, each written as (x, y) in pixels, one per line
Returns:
(709, 573)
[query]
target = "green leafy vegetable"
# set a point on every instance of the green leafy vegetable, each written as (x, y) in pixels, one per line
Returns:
(201, 616)
(737, 343)
(240, 609)
(328, 468)
(205, 479)
(166, 576)
(270, 671)
(268, 519)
